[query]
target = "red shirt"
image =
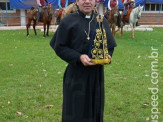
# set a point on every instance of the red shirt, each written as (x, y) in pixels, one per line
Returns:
(63, 2)
(42, 2)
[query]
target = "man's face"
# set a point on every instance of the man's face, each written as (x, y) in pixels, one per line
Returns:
(86, 6)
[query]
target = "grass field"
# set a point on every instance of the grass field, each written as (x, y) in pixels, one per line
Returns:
(31, 78)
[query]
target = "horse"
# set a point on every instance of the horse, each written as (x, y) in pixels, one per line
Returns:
(112, 17)
(133, 19)
(69, 9)
(61, 13)
(45, 18)
(73, 7)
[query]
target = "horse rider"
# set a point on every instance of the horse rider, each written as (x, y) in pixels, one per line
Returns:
(41, 4)
(61, 4)
(127, 5)
(111, 5)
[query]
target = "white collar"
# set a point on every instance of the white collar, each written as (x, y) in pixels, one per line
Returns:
(87, 16)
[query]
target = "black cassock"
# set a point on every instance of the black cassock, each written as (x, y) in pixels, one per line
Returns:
(83, 87)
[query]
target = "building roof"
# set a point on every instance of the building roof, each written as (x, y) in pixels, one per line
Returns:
(27, 4)
(154, 1)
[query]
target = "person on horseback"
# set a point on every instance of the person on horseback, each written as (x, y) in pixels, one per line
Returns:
(61, 4)
(127, 5)
(111, 5)
(41, 4)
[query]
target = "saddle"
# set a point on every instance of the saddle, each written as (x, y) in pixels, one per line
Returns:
(127, 15)
(33, 12)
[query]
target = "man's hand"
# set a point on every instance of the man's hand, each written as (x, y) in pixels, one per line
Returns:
(86, 61)
(109, 57)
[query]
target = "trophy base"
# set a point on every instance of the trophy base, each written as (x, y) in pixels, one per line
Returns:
(101, 61)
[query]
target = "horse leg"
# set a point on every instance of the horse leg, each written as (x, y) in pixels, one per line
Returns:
(121, 32)
(117, 30)
(113, 29)
(27, 26)
(132, 32)
(47, 33)
(121, 29)
(44, 29)
(34, 25)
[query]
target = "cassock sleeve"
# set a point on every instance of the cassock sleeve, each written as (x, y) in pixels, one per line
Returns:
(60, 43)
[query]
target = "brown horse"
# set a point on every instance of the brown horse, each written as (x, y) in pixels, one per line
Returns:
(61, 13)
(72, 8)
(112, 17)
(45, 18)
(66, 11)
(69, 9)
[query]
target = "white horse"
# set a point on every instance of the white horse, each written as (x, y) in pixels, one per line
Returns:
(133, 19)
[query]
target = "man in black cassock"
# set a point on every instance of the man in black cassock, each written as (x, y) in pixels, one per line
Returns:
(83, 81)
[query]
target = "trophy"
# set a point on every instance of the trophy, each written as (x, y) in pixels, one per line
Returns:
(98, 49)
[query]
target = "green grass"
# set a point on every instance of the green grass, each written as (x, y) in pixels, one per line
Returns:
(31, 78)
